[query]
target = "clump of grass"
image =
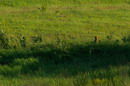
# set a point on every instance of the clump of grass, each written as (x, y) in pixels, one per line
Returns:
(22, 41)
(27, 65)
(109, 37)
(81, 80)
(126, 39)
(4, 41)
(36, 39)
(8, 71)
(43, 8)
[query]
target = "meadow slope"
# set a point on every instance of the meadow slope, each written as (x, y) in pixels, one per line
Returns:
(51, 42)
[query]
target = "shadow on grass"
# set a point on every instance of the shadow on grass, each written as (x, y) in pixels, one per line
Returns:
(53, 61)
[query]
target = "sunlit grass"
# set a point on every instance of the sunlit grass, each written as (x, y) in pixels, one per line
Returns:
(51, 42)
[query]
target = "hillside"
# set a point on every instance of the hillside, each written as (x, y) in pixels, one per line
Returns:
(51, 42)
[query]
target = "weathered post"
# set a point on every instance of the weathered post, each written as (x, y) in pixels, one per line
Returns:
(96, 39)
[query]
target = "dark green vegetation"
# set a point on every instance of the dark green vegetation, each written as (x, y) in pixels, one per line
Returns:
(51, 42)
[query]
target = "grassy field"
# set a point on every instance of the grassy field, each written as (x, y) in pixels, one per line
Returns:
(51, 43)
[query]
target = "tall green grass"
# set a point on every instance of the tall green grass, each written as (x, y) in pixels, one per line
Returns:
(51, 42)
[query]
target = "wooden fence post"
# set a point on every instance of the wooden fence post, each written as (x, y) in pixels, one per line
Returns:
(96, 39)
